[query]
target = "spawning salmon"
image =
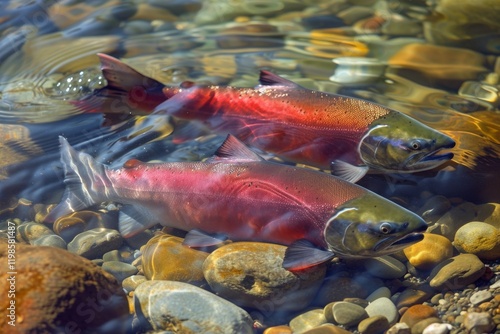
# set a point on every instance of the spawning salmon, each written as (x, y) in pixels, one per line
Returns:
(240, 195)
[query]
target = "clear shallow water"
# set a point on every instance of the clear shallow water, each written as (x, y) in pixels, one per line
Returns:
(47, 60)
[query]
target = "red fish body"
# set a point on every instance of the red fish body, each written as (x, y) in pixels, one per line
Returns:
(239, 194)
(281, 117)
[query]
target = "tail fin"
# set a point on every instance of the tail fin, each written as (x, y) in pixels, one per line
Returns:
(128, 91)
(81, 175)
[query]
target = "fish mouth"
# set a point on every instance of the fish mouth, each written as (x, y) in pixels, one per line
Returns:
(434, 156)
(403, 242)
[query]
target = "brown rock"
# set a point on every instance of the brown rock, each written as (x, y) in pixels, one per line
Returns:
(480, 239)
(457, 272)
(417, 313)
(57, 291)
(164, 257)
(250, 274)
(439, 64)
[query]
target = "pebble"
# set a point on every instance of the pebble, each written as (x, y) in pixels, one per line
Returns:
(95, 243)
(119, 269)
(374, 325)
(480, 297)
(411, 296)
(119, 255)
(184, 308)
(31, 231)
(437, 329)
(52, 240)
(429, 252)
(417, 313)
(457, 272)
(384, 307)
(250, 274)
(68, 227)
(479, 323)
(399, 328)
(57, 290)
(385, 267)
(307, 320)
(164, 257)
(434, 208)
(347, 314)
(357, 70)
(130, 283)
(478, 238)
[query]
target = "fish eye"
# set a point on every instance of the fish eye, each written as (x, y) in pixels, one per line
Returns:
(416, 145)
(385, 228)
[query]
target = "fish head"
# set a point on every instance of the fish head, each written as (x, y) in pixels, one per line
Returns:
(398, 143)
(370, 225)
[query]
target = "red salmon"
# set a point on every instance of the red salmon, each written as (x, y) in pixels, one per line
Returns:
(244, 197)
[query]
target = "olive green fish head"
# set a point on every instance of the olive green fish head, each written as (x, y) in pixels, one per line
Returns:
(398, 143)
(371, 225)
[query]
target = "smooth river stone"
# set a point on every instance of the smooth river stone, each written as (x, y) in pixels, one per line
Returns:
(385, 267)
(489, 213)
(348, 314)
(130, 283)
(429, 252)
(250, 274)
(455, 218)
(417, 313)
(184, 308)
(119, 269)
(308, 320)
(30, 231)
(384, 307)
(440, 64)
(374, 325)
(457, 272)
(93, 244)
(479, 323)
(59, 292)
(164, 257)
(480, 239)
(52, 240)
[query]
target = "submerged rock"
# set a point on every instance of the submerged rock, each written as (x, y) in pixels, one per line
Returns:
(250, 274)
(165, 258)
(184, 308)
(95, 243)
(57, 291)
(480, 239)
(429, 252)
(457, 272)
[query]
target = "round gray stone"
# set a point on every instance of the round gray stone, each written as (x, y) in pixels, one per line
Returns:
(480, 297)
(479, 323)
(379, 293)
(94, 243)
(184, 308)
(120, 270)
(348, 314)
(384, 307)
(52, 240)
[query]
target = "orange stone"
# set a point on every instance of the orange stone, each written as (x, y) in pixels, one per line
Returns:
(164, 257)
(417, 313)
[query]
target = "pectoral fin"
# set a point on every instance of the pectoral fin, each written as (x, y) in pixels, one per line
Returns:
(134, 219)
(347, 171)
(199, 239)
(302, 254)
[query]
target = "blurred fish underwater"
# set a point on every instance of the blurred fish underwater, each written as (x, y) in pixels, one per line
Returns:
(434, 64)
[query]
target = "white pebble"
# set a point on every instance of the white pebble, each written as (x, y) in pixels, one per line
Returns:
(437, 329)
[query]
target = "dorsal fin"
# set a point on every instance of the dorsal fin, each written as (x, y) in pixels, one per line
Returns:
(234, 150)
(267, 78)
